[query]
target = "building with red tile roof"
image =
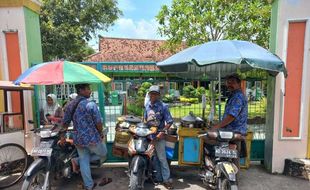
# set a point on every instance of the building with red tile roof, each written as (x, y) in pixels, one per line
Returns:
(129, 50)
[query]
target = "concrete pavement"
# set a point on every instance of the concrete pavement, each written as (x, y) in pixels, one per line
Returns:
(255, 178)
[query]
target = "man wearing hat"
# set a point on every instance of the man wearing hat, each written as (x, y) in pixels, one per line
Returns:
(155, 108)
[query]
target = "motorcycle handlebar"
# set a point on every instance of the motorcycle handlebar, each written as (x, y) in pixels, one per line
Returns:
(202, 135)
(215, 134)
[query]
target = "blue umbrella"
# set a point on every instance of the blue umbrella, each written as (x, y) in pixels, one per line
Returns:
(219, 58)
(224, 57)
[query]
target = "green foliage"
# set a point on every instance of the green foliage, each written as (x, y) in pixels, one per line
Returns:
(144, 89)
(146, 85)
(134, 109)
(66, 26)
(193, 100)
(198, 21)
(189, 91)
(189, 100)
(107, 90)
(141, 93)
(168, 98)
(257, 74)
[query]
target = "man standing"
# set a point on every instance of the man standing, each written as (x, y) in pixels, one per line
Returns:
(87, 124)
(156, 108)
(236, 110)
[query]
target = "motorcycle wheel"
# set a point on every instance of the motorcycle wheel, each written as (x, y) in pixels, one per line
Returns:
(226, 185)
(35, 181)
(134, 180)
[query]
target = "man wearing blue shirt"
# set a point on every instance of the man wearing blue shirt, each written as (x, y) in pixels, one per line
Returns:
(236, 109)
(87, 138)
(160, 111)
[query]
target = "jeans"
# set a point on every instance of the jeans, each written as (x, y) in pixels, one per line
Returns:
(86, 155)
(160, 147)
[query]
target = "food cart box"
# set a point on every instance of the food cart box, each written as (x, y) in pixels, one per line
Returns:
(190, 146)
(120, 145)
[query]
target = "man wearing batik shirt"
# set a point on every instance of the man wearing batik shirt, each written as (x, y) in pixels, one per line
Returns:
(157, 113)
(236, 113)
(87, 136)
(236, 110)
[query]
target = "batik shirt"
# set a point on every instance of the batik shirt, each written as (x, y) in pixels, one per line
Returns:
(237, 106)
(84, 119)
(160, 111)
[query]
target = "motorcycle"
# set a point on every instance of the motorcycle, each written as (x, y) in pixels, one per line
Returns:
(141, 151)
(50, 159)
(218, 170)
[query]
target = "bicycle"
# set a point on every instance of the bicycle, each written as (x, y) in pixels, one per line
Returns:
(13, 164)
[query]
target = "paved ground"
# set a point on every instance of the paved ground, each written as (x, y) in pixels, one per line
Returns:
(255, 178)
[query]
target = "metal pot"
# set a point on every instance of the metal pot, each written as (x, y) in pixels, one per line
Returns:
(192, 121)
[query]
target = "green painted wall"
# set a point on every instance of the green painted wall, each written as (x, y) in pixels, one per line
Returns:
(33, 36)
(271, 84)
(34, 46)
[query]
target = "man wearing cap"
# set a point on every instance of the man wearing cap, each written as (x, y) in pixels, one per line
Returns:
(156, 108)
(236, 109)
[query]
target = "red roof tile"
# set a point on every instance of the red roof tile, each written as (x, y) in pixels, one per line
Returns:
(129, 50)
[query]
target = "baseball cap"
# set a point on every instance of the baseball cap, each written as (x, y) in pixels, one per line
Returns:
(155, 89)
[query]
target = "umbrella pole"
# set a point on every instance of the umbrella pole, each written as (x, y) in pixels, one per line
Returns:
(220, 95)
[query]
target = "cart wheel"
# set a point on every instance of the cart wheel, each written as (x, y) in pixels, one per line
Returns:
(13, 164)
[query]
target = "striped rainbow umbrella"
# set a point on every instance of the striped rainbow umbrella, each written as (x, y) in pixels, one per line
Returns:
(60, 72)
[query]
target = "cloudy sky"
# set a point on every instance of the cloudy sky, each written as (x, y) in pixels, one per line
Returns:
(138, 21)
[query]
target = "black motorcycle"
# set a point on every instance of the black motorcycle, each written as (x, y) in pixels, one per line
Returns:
(51, 160)
(219, 170)
(141, 151)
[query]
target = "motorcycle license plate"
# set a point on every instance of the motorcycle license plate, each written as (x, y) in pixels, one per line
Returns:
(41, 151)
(226, 153)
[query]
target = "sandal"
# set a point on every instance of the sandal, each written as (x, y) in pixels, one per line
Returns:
(167, 185)
(105, 181)
(81, 186)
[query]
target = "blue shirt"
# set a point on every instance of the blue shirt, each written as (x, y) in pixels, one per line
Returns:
(237, 106)
(84, 119)
(161, 112)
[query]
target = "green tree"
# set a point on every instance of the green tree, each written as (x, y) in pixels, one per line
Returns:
(66, 26)
(197, 21)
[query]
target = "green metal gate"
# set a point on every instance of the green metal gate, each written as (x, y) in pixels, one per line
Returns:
(121, 96)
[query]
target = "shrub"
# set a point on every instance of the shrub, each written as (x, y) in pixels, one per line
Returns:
(134, 109)
(193, 100)
(168, 98)
(189, 91)
(141, 94)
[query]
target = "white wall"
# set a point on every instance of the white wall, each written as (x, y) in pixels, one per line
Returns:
(12, 19)
(291, 148)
